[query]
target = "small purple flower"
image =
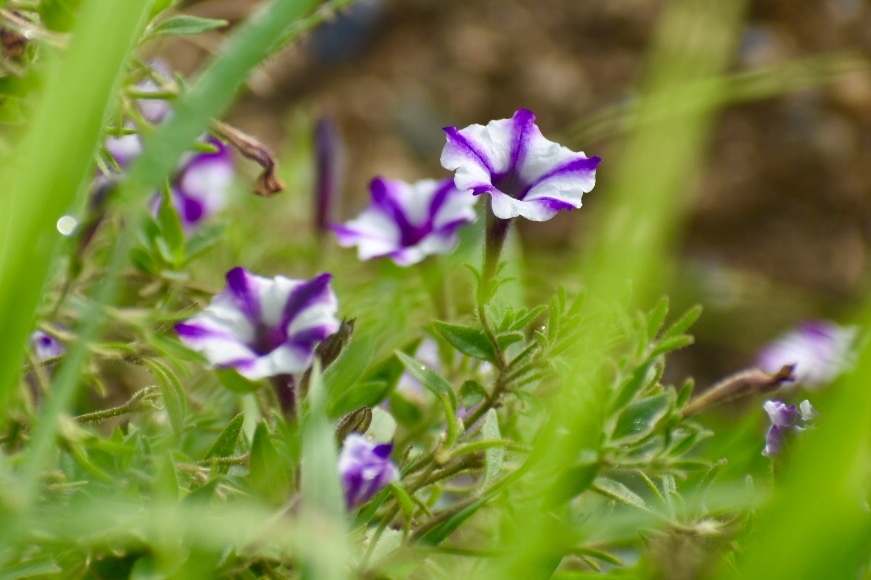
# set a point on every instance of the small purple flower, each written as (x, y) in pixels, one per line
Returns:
(785, 419)
(407, 222)
(524, 173)
(819, 349)
(45, 346)
(365, 468)
(263, 327)
(200, 188)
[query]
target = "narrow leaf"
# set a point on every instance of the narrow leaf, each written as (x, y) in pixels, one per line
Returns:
(225, 444)
(494, 456)
(185, 25)
(469, 341)
(428, 378)
(172, 391)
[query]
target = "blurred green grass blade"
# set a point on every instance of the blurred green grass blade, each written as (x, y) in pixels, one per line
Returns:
(645, 203)
(54, 159)
(208, 97)
(818, 525)
(710, 94)
(324, 554)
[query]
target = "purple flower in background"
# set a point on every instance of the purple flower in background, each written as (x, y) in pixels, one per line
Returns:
(329, 167)
(784, 419)
(407, 222)
(819, 350)
(524, 173)
(200, 188)
(365, 468)
(45, 346)
(263, 327)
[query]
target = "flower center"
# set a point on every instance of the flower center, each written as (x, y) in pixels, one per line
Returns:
(509, 183)
(410, 235)
(267, 339)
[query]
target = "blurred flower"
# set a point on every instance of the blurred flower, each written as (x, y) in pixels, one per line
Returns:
(524, 173)
(45, 346)
(263, 327)
(200, 188)
(154, 110)
(785, 418)
(406, 222)
(329, 161)
(365, 468)
(819, 350)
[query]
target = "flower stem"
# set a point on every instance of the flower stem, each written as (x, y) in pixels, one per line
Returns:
(497, 231)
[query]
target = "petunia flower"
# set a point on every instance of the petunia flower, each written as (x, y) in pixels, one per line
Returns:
(819, 350)
(785, 419)
(263, 327)
(365, 468)
(407, 222)
(202, 183)
(524, 173)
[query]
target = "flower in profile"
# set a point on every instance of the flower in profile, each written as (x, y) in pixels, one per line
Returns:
(365, 468)
(201, 185)
(819, 350)
(785, 419)
(407, 222)
(329, 168)
(524, 173)
(45, 346)
(263, 327)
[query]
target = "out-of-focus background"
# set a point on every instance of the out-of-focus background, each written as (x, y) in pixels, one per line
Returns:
(780, 217)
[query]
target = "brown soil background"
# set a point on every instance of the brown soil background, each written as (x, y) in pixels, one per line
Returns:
(780, 222)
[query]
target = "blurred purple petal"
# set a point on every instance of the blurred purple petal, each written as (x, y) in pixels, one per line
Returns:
(819, 349)
(365, 468)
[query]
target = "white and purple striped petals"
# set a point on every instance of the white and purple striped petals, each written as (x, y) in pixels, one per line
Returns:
(263, 327)
(407, 222)
(524, 173)
(200, 189)
(785, 419)
(365, 468)
(820, 351)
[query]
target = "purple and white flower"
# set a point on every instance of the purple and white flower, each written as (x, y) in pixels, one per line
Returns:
(785, 419)
(45, 346)
(263, 327)
(200, 189)
(524, 173)
(820, 351)
(407, 222)
(365, 468)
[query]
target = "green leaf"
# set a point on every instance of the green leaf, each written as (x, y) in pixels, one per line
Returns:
(575, 480)
(523, 318)
(184, 26)
(671, 343)
(268, 476)
(32, 568)
(469, 341)
(428, 378)
(684, 322)
(166, 480)
(172, 391)
(365, 394)
(205, 237)
(639, 380)
(656, 318)
(171, 230)
(640, 418)
(225, 444)
(341, 377)
(619, 492)
(494, 456)
(390, 369)
(235, 383)
(471, 393)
